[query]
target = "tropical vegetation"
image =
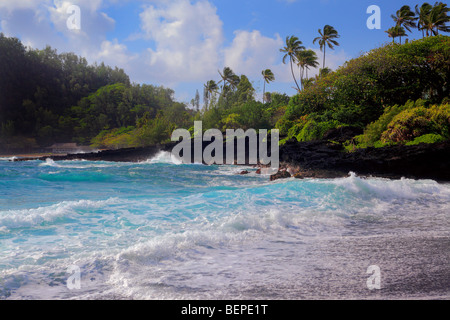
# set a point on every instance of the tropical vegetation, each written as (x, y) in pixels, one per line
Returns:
(395, 94)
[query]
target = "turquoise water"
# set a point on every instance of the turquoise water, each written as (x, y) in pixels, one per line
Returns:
(161, 230)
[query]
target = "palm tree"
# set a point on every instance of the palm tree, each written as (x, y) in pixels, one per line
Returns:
(306, 59)
(268, 77)
(293, 44)
(228, 76)
(405, 18)
(433, 19)
(437, 19)
(422, 15)
(210, 87)
(326, 38)
(395, 32)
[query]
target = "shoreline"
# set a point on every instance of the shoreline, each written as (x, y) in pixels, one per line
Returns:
(315, 159)
(28, 155)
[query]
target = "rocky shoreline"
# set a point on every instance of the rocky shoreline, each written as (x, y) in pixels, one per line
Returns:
(319, 159)
(323, 159)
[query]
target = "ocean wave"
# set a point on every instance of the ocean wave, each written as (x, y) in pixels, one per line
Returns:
(166, 232)
(75, 164)
(164, 157)
(67, 176)
(27, 218)
(8, 159)
(391, 189)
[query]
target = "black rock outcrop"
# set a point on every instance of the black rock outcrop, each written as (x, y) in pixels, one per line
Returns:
(323, 159)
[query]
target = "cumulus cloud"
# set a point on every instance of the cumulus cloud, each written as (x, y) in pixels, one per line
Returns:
(179, 41)
(116, 54)
(251, 52)
(41, 23)
(12, 5)
(187, 38)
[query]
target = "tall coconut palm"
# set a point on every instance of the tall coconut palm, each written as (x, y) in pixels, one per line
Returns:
(228, 76)
(209, 89)
(405, 18)
(268, 77)
(437, 19)
(306, 59)
(327, 38)
(423, 13)
(293, 45)
(395, 32)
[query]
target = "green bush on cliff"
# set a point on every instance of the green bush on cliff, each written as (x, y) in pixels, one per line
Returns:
(113, 139)
(413, 123)
(310, 127)
(427, 138)
(315, 130)
(373, 131)
(359, 91)
(410, 124)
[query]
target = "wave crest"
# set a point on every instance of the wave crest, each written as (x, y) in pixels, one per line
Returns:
(27, 218)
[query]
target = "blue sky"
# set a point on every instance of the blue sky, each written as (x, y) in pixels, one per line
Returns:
(182, 44)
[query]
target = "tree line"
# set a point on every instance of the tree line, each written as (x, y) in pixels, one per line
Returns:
(48, 97)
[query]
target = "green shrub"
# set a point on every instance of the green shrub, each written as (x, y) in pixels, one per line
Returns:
(413, 123)
(427, 138)
(313, 130)
(284, 125)
(373, 132)
(117, 138)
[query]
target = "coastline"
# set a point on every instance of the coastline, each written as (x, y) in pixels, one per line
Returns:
(27, 155)
(315, 159)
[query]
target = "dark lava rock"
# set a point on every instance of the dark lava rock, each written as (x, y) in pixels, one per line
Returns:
(120, 155)
(282, 174)
(329, 160)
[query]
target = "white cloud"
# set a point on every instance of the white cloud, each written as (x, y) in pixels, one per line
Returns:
(187, 39)
(12, 5)
(251, 52)
(115, 54)
(180, 41)
(41, 23)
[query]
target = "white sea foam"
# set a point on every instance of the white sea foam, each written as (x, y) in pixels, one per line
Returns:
(164, 157)
(219, 241)
(8, 159)
(26, 218)
(75, 164)
(391, 189)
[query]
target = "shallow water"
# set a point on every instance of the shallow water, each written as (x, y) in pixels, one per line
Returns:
(161, 230)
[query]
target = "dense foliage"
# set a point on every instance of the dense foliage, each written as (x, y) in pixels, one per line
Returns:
(396, 93)
(46, 97)
(412, 123)
(370, 90)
